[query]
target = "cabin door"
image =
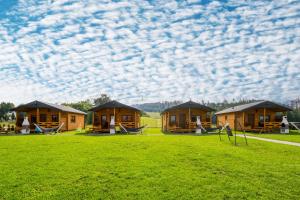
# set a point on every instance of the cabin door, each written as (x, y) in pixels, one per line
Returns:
(104, 123)
(251, 120)
(182, 120)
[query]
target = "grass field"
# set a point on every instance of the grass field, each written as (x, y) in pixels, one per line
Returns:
(151, 122)
(150, 166)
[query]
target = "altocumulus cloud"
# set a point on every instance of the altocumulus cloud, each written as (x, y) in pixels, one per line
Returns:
(67, 50)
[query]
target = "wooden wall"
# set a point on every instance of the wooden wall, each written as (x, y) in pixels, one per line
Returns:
(79, 121)
(239, 116)
(221, 119)
(118, 112)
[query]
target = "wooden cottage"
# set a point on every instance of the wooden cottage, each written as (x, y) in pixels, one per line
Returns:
(127, 116)
(48, 115)
(260, 116)
(183, 117)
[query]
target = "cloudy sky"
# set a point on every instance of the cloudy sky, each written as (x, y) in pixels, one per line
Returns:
(145, 51)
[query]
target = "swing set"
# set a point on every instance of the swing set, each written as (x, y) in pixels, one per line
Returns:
(229, 133)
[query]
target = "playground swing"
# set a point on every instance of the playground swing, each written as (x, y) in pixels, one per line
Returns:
(229, 133)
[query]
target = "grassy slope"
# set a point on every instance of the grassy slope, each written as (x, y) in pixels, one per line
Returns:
(145, 167)
(154, 120)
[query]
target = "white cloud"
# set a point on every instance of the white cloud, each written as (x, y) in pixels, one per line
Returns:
(64, 51)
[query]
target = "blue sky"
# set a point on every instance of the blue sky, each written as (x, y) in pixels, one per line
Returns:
(145, 51)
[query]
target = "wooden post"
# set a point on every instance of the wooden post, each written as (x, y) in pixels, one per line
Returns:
(264, 118)
(167, 121)
(243, 124)
(189, 118)
(114, 116)
(59, 117)
(135, 120)
(37, 115)
(16, 118)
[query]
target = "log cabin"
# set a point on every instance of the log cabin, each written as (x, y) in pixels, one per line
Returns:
(260, 116)
(127, 116)
(48, 115)
(183, 117)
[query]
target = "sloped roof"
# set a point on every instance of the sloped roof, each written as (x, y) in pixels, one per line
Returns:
(40, 104)
(113, 104)
(190, 104)
(255, 105)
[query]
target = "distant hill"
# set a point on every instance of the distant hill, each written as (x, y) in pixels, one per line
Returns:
(160, 106)
(157, 106)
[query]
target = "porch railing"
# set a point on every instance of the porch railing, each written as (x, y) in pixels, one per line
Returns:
(204, 124)
(125, 124)
(272, 124)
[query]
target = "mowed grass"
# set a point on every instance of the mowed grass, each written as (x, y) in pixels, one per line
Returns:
(150, 166)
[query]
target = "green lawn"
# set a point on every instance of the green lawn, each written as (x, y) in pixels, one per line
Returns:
(150, 166)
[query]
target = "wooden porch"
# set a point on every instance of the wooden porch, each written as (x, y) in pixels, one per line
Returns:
(52, 118)
(261, 121)
(191, 127)
(100, 129)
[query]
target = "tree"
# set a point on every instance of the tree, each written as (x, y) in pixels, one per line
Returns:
(104, 98)
(5, 108)
(13, 116)
(83, 106)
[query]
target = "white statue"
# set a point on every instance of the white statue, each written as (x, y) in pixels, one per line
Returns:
(25, 126)
(198, 125)
(284, 125)
(112, 129)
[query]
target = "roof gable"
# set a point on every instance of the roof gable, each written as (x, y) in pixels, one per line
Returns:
(40, 104)
(113, 104)
(190, 104)
(254, 105)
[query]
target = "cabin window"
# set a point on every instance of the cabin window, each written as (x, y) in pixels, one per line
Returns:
(267, 118)
(208, 117)
(43, 118)
(261, 118)
(173, 120)
(73, 119)
(194, 118)
(54, 118)
(226, 117)
(33, 119)
(127, 118)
